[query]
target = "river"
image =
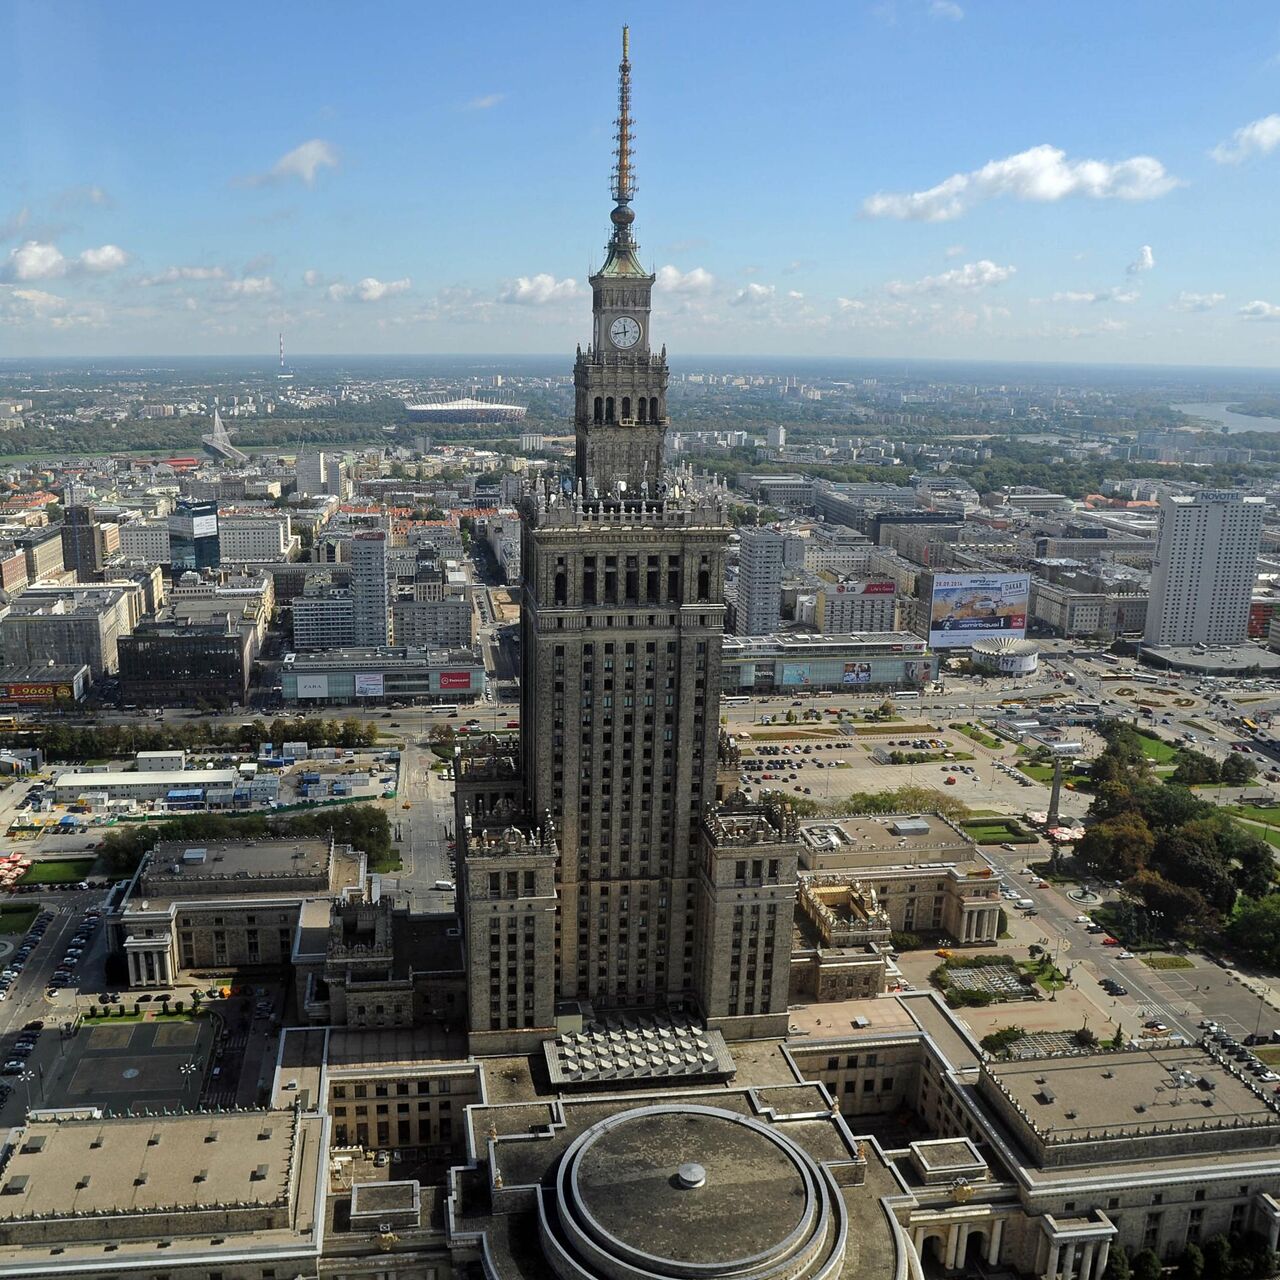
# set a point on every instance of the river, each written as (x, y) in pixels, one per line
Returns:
(1220, 415)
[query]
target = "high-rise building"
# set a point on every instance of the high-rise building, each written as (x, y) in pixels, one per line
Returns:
(312, 474)
(1206, 563)
(369, 587)
(193, 537)
(759, 604)
(595, 874)
(81, 544)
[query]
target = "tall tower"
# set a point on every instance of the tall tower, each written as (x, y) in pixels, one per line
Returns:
(620, 385)
(369, 587)
(590, 875)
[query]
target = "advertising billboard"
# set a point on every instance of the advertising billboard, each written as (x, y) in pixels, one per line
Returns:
(856, 673)
(874, 588)
(313, 686)
(204, 526)
(795, 673)
(36, 692)
(974, 606)
(455, 679)
(368, 684)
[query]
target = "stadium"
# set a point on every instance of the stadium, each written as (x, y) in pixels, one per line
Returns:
(464, 409)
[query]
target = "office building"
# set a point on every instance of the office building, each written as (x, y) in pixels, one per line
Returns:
(75, 628)
(245, 538)
(42, 550)
(846, 605)
(348, 675)
(370, 591)
(192, 660)
(145, 540)
(584, 854)
(193, 537)
(1205, 568)
(81, 544)
(759, 602)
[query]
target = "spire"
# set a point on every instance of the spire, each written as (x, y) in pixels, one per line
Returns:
(623, 178)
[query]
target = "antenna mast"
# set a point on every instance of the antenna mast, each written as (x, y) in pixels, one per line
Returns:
(623, 177)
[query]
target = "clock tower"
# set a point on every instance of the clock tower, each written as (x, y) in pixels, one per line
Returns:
(620, 384)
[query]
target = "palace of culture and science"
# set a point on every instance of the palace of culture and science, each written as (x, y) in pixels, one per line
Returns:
(594, 873)
(664, 1037)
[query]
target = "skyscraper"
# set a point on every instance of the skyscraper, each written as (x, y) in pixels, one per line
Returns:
(590, 876)
(759, 603)
(369, 588)
(193, 537)
(1205, 565)
(81, 544)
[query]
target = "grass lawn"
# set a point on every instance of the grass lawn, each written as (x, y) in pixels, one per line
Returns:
(1257, 812)
(60, 871)
(1049, 978)
(907, 730)
(1040, 772)
(1167, 962)
(1268, 1053)
(143, 1015)
(1157, 749)
(999, 831)
(1269, 834)
(977, 735)
(15, 919)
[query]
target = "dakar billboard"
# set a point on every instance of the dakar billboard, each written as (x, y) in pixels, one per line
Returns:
(978, 606)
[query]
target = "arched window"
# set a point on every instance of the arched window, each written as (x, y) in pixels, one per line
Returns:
(562, 587)
(626, 408)
(642, 405)
(704, 585)
(599, 413)
(608, 408)
(653, 409)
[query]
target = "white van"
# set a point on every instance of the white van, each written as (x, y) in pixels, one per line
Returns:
(1024, 904)
(445, 884)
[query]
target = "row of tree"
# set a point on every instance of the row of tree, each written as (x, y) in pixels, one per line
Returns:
(65, 742)
(1178, 855)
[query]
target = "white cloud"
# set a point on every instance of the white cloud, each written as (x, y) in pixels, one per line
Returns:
(1041, 173)
(850, 304)
(752, 295)
(953, 251)
(537, 291)
(673, 280)
(109, 257)
(251, 287)
(304, 162)
(946, 9)
(39, 260)
(311, 277)
(1257, 138)
(484, 102)
(29, 306)
(1114, 294)
(973, 275)
(175, 275)
(1198, 301)
(1260, 311)
(369, 289)
(1145, 260)
(33, 260)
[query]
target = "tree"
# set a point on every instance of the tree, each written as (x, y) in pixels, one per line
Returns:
(1217, 1256)
(1191, 1264)
(1118, 848)
(1255, 930)
(1176, 904)
(1237, 771)
(1195, 768)
(1147, 1266)
(1118, 1264)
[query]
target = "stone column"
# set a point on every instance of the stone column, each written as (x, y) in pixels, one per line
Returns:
(917, 1242)
(133, 967)
(1069, 1266)
(162, 966)
(1104, 1253)
(1086, 1263)
(962, 1243)
(993, 1249)
(953, 1243)
(1051, 1271)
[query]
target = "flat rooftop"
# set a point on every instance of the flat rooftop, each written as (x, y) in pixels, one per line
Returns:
(179, 780)
(1137, 1091)
(239, 857)
(128, 1165)
(1239, 660)
(890, 839)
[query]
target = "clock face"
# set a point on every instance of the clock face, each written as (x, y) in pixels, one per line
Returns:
(624, 332)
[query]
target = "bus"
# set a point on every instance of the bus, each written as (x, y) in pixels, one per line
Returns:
(735, 700)
(447, 707)
(1139, 678)
(1251, 725)
(905, 694)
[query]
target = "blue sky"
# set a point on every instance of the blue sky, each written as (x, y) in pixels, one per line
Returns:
(970, 178)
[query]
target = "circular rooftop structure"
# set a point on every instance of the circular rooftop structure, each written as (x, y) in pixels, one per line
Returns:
(687, 1192)
(1007, 655)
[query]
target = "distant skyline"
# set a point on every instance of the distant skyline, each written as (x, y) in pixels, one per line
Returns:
(924, 179)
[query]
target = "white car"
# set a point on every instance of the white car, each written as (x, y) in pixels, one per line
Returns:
(1125, 955)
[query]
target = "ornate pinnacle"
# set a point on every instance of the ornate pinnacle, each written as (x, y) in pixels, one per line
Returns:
(623, 178)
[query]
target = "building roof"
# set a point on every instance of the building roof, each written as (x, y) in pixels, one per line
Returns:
(166, 778)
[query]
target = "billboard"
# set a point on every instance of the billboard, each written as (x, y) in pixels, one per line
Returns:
(368, 684)
(873, 588)
(204, 526)
(795, 673)
(36, 692)
(856, 673)
(455, 679)
(313, 686)
(974, 606)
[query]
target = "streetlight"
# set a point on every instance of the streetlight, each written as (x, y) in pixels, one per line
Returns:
(27, 1077)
